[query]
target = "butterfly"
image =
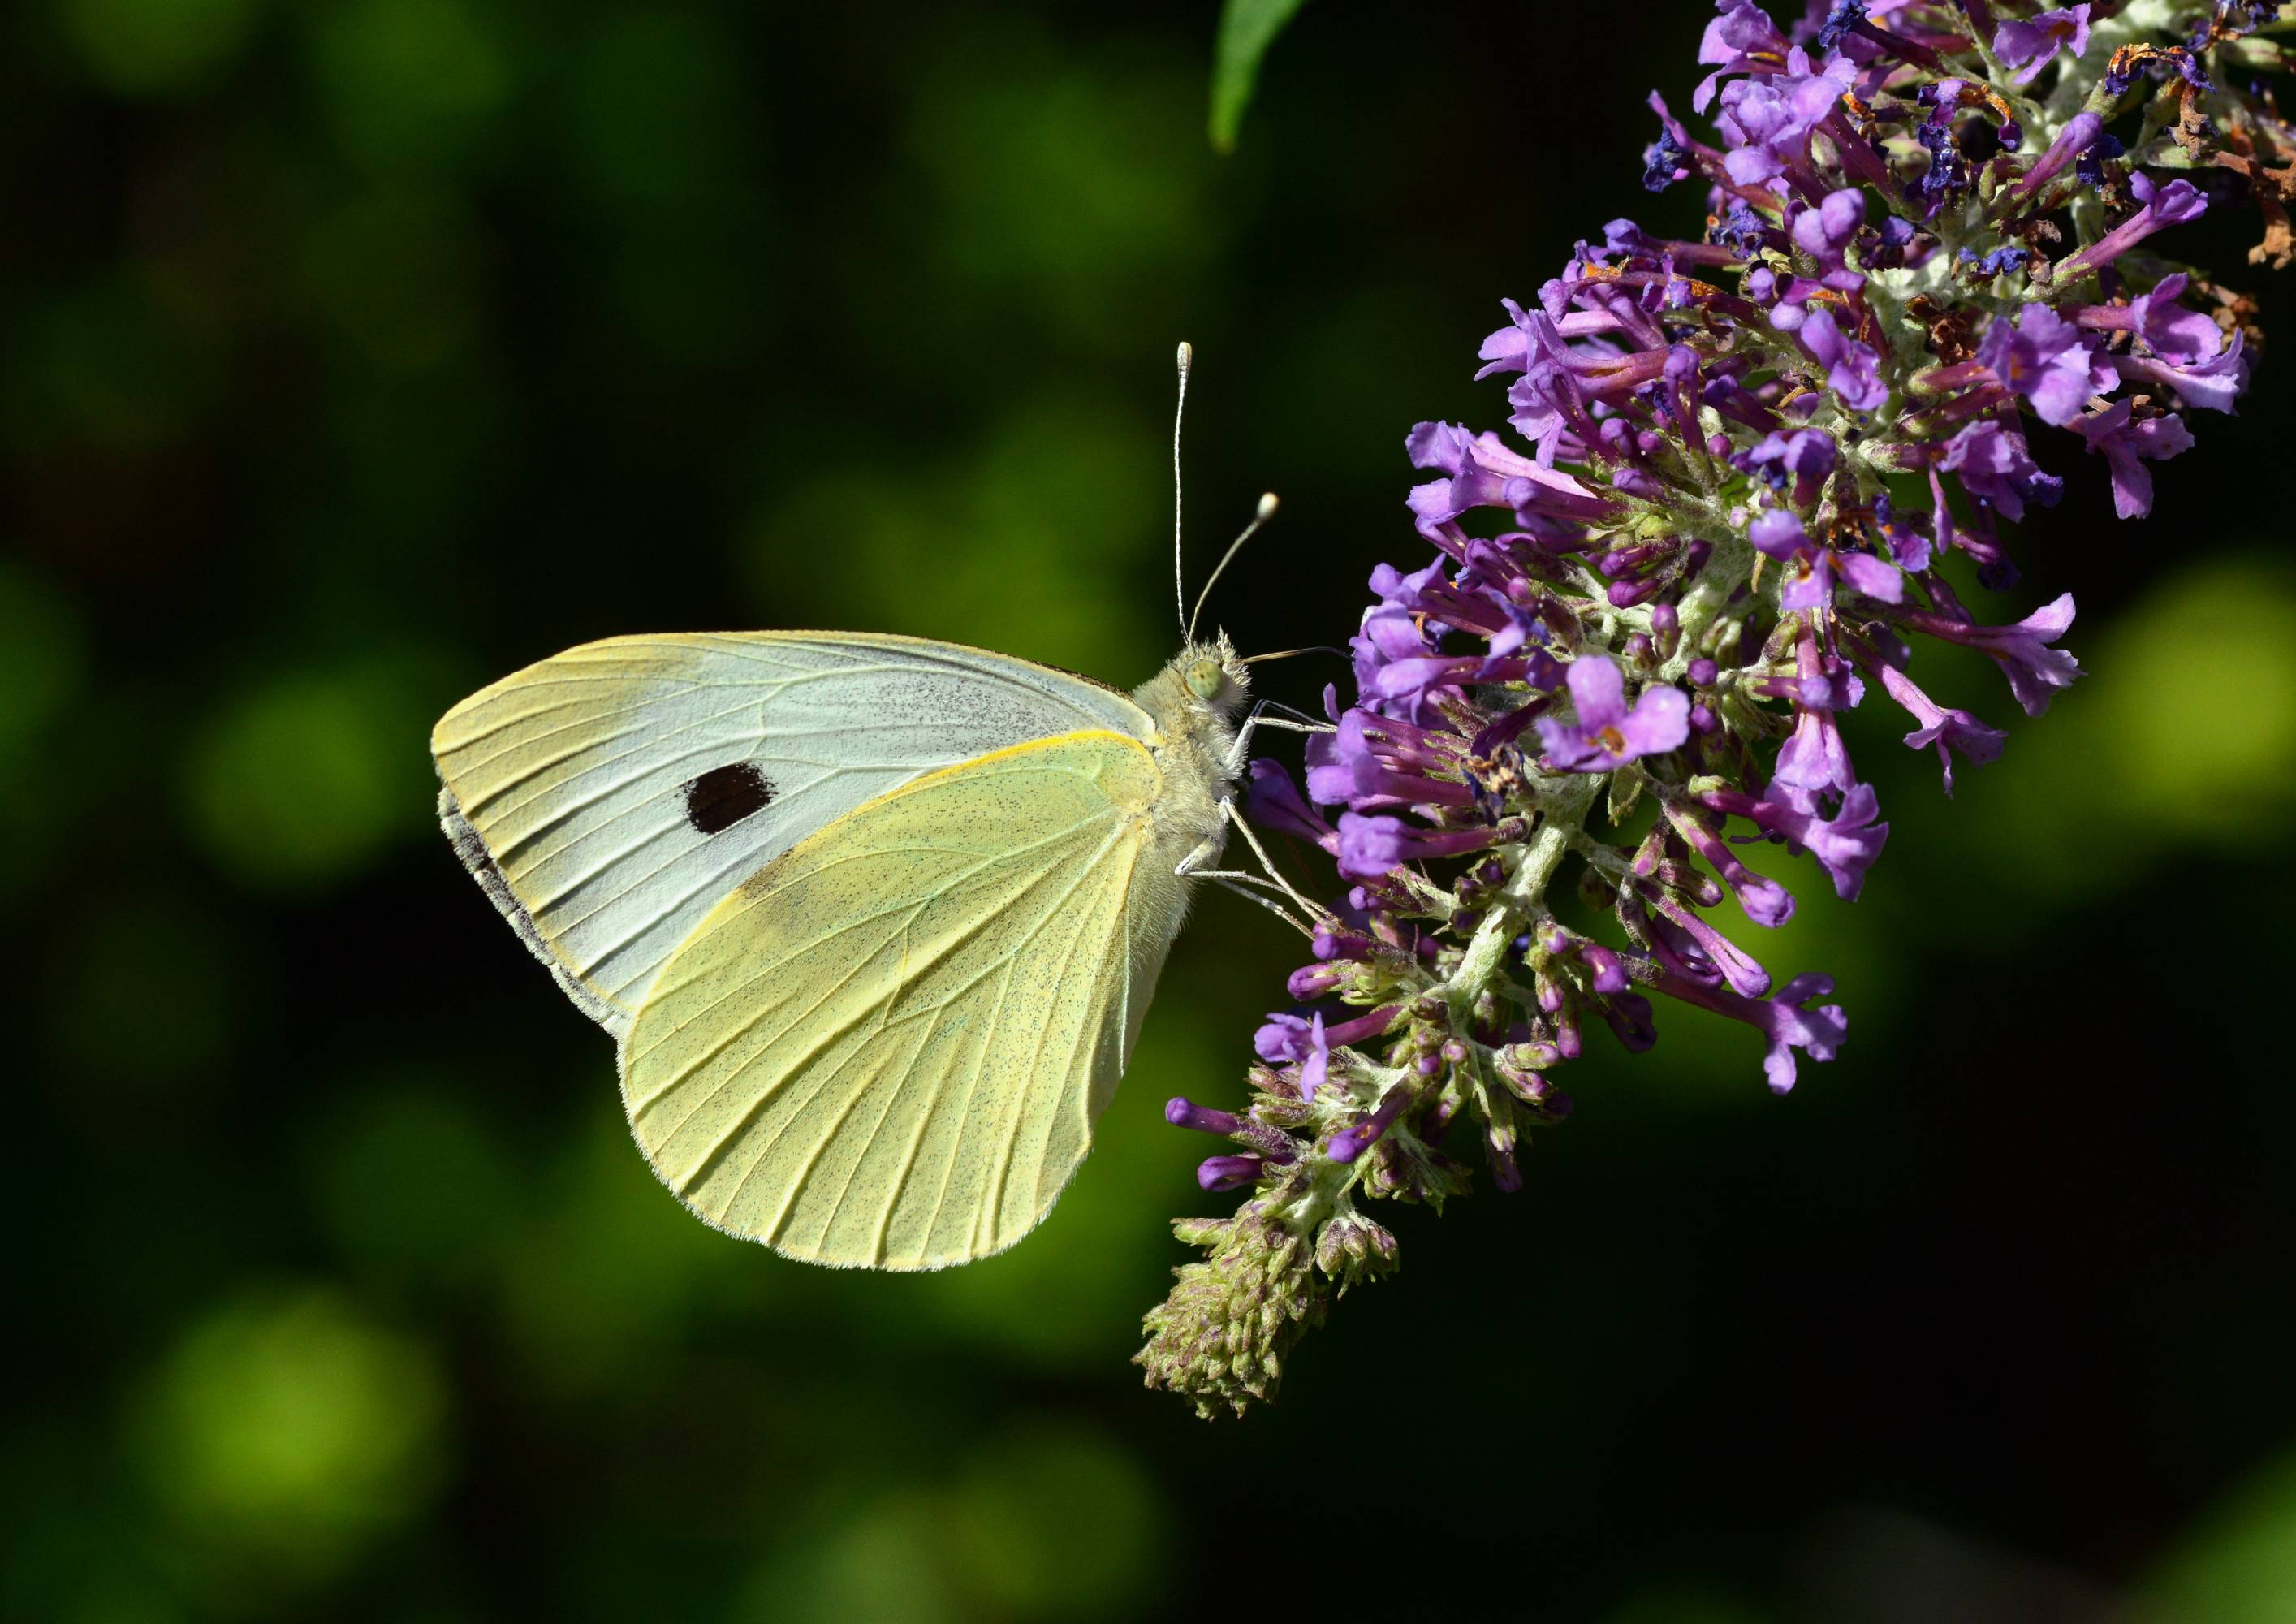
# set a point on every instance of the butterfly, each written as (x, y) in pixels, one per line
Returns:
(873, 919)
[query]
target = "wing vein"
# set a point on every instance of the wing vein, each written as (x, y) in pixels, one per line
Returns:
(1036, 1057)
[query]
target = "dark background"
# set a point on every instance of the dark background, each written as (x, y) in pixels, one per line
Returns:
(355, 355)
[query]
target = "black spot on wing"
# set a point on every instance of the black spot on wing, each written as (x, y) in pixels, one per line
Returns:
(724, 796)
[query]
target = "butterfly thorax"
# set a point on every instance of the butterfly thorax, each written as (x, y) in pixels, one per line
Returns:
(1194, 702)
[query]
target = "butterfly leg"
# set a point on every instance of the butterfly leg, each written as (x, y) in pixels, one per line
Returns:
(1207, 851)
(1235, 879)
(1238, 884)
(1240, 752)
(1191, 866)
(1228, 810)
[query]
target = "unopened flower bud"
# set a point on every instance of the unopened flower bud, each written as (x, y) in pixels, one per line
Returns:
(1228, 1172)
(1180, 1114)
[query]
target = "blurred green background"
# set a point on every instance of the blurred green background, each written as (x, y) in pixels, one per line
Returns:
(356, 354)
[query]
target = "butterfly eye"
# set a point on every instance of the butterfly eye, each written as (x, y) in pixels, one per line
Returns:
(1204, 678)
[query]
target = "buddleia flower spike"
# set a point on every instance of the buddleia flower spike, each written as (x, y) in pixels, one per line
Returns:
(1929, 288)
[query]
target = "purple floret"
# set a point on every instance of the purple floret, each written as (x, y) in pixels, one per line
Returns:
(1607, 733)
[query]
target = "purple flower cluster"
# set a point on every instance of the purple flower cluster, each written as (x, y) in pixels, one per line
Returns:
(1743, 465)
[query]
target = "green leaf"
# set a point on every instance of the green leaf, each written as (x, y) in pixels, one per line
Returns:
(1247, 29)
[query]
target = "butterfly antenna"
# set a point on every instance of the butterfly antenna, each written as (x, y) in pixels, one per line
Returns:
(1253, 660)
(1267, 512)
(1179, 412)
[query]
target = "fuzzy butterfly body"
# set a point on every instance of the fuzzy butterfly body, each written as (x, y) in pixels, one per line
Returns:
(874, 919)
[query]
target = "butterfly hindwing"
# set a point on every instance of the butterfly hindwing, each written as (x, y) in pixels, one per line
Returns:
(888, 1048)
(608, 798)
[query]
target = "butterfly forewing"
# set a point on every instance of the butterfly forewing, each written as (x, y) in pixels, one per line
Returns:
(888, 1048)
(610, 797)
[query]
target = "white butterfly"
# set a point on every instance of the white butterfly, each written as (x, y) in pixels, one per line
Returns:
(874, 919)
